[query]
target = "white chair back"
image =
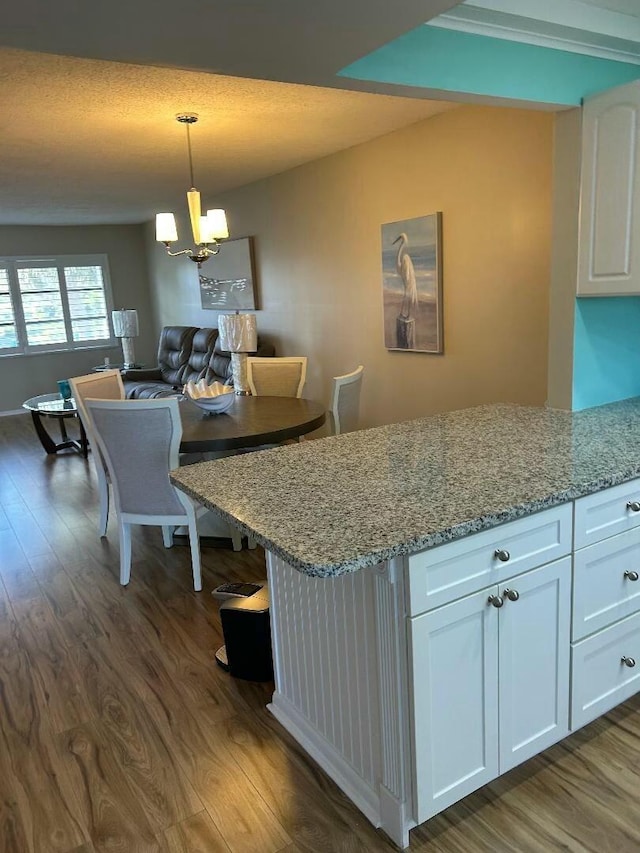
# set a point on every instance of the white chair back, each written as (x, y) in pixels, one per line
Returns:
(345, 400)
(139, 441)
(277, 377)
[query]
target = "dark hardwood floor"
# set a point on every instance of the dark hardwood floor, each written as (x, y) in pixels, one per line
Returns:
(119, 733)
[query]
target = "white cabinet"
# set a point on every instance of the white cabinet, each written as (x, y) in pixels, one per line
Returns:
(604, 670)
(411, 689)
(606, 601)
(609, 245)
(606, 583)
(605, 513)
(441, 574)
(534, 663)
(454, 670)
(490, 683)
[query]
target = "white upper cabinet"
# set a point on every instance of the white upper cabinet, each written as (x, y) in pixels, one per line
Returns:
(609, 251)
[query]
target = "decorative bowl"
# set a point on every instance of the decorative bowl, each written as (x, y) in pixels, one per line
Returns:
(214, 399)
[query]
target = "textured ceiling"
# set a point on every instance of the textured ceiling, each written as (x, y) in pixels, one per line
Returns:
(94, 142)
(92, 139)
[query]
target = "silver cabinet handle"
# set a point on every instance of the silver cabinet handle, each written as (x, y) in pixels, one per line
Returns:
(634, 506)
(495, 600)
(511, 594)
(631, 576)
(505, 556)
(630, 662)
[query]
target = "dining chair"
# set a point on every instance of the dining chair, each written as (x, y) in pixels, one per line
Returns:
(139, 441)
(105, 385)
(277, 377)
(345, 401)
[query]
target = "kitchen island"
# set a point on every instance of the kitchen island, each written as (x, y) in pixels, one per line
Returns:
(449, 596)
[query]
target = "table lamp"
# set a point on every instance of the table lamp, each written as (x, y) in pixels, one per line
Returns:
(238, 336)
(125, 327)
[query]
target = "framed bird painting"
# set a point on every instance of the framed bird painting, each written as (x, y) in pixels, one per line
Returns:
(412, 284)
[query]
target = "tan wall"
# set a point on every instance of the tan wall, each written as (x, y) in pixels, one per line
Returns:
(317, 231)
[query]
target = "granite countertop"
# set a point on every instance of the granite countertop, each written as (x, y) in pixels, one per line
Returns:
(339, 504)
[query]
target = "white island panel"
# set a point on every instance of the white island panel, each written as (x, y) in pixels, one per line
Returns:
(341, 682)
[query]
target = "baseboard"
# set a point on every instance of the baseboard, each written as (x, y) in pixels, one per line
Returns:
(12, 412)
(328, 757)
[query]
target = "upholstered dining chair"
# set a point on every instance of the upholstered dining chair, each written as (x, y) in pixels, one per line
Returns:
(139, 441)
(106, 385)
(277, 377)
(345, 400)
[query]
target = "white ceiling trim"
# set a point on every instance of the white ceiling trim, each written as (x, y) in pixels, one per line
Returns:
(566, 13)
(573, 45)
(569, 25)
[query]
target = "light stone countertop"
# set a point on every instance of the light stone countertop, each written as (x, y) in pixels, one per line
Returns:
(339, 504)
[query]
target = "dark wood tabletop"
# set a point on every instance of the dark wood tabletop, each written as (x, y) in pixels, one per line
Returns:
(250, 422)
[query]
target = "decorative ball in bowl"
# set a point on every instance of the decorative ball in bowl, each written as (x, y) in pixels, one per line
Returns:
(214, 399)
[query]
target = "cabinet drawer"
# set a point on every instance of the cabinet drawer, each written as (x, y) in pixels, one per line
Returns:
(606, 513)
(604, 589)
(442, 574)
(600, 679)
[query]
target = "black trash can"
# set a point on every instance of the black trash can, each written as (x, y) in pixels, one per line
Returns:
(247, 636)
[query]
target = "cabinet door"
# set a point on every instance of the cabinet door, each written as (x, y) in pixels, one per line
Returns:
(454, 662)
(609, 254)
(534, 662)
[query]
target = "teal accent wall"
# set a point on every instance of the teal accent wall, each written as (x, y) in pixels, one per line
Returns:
(606, 365)
(436, 58)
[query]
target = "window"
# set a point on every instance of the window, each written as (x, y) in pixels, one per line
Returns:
(54, 303)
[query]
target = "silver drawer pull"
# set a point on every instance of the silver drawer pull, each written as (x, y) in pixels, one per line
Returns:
(495, 600)
(634, 506)
(511, 594)
(631, 576)
(505, 556)
(630, 662)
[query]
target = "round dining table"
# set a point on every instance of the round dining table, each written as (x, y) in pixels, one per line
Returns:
(249, 422)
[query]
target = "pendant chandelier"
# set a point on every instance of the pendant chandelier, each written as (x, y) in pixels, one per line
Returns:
(207, 230)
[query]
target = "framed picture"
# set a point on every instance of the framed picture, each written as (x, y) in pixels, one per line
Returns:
(230, 283)
(412, 284)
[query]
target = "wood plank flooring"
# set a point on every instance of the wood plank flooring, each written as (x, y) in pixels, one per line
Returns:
(119, 733)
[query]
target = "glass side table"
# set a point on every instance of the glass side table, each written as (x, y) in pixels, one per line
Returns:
(99, 368)
(53, 406)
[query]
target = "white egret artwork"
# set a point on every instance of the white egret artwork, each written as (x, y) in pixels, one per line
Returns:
(412, 284)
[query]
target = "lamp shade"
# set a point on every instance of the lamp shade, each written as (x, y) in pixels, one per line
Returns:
(166, 231)
(125, 323)
(238, 332)
(218, 227)
(206, 231)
